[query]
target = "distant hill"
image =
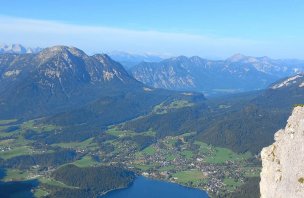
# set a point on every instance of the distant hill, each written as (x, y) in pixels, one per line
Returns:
(235, 74)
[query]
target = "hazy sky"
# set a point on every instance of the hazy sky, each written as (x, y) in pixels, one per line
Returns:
(208, 28)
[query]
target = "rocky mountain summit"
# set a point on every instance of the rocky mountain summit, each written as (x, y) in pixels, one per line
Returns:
(57, 78)
(283, 169)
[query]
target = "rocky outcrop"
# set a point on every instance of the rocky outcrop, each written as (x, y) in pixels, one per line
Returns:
(283, 161)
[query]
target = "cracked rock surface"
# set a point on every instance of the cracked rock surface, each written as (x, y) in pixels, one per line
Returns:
(283, 162)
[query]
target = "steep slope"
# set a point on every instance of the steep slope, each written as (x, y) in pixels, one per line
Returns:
(89, 120)
(283, 169)
(243, 123)
(56, 79)
(252, 127)
(237, 73)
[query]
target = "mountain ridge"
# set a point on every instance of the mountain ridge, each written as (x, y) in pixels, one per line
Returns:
(235, 74)
(58, 77)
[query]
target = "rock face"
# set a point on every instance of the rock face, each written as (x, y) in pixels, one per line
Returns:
(283, 162)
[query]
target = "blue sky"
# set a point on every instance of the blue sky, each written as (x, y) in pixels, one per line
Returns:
(208, 28)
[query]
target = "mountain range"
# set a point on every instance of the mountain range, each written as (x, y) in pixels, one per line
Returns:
(18, 49)
(235, 74)
(79, 92)
(62, 78)
(238, 73)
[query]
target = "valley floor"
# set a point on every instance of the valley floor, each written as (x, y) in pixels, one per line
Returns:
(178, 159)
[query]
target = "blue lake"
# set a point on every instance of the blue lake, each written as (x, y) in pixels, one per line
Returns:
(149, 188)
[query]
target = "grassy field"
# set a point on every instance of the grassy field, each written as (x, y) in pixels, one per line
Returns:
(85, 162)
(40, 193)
(163, 108)
(231, 184)
(150, 150)
(53, 182)
(119, 133)
(218, 155)
(167, 168)
(171, 157)
(188, 154)
(172, 141)
(15, 175)
(189, 176)
(7, 142)
(15, 144)
(3, 122)
(23, 150)
(124, 133)
(221, 155)
(87, 144)
(204, 148)
(32, 125)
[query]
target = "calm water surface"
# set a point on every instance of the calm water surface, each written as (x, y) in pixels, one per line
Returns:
(149, 188)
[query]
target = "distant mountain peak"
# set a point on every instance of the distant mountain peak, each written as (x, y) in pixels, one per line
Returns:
(62, 76)
(17, 49)
(265, 58)
(61, 49)
(237, 57)
(179, 58)
(66, 57)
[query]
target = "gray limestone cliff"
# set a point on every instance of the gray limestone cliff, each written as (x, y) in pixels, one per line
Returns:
(283, 162)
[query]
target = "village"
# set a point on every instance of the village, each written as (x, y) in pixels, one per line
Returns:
(191, 164)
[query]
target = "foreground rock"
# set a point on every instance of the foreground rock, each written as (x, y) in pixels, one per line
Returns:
(283, 161)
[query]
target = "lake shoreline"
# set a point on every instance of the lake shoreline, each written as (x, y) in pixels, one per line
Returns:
(150, 188)
(120, 188)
